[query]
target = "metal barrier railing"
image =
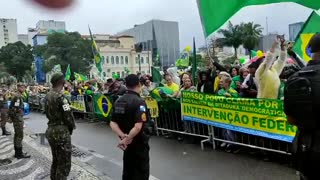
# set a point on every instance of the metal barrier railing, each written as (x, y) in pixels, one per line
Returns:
(169, 121)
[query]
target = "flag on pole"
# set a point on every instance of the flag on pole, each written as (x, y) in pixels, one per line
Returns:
(214, 13)
(183, 61)
(96, 53)
(310, 27)
(68, 73)
(80, 77)
(194, 63)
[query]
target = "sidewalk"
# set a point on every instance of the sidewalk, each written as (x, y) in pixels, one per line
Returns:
(38, 166)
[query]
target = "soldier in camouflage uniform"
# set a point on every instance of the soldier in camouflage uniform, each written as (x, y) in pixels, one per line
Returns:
(16, 115)
(60, 126)
(4, 112)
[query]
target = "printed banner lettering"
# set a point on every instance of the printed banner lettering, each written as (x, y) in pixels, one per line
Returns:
(261, 117)
(152, 105)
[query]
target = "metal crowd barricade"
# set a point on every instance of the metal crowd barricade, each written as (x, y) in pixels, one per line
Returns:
(170, 121)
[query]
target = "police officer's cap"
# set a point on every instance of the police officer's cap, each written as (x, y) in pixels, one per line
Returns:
(314, 43)
(57, 77)
(132, 81)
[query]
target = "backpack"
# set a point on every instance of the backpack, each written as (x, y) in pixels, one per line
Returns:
(302, 97)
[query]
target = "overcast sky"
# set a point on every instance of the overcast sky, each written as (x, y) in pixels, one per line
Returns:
(112, 16)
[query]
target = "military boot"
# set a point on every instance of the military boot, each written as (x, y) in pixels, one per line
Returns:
(20, 154)
(5, 132)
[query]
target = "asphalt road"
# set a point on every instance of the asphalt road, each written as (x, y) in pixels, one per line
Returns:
(170, 159)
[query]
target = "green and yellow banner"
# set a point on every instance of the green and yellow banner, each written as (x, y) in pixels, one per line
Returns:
(260, 117)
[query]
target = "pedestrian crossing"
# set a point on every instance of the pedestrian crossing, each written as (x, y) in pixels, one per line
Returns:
(18, 169)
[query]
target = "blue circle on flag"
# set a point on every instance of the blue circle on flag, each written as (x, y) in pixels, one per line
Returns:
(104, 105)
(308, 51)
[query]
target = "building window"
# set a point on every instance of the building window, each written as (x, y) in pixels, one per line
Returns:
(108, 70)
(137, 60)
(143, 72)
(107, 59)
(142, 60)
(103, 60)
(117, 60)
(127, 60)
(104, 74)
(147, 60)
(112, 60)
(122, 74)
(118, 74)
(122, 61)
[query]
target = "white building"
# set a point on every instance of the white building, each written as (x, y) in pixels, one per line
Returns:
(8, 31)
(51, 25)
(119, 54)
(46, 27)
(23, 38)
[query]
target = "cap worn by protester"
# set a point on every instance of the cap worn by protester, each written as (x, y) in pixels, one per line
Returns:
(57, 77)
(314, 43)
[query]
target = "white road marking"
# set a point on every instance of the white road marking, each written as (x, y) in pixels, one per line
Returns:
(33, 175)
(17, 170)
(7, 148)
(7, 155)
(3, 140)
(4, 144)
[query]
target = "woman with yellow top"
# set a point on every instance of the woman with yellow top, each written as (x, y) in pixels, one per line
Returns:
(171, 85)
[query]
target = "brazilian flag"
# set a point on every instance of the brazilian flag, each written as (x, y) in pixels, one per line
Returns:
(102, 105)
(80, 77)
(96, 53)
(68, 73)
(309, 29)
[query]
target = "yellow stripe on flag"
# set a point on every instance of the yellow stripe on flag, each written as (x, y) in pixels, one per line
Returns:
(305, 42)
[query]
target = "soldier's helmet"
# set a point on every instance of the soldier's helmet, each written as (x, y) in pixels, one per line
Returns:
(56, 78)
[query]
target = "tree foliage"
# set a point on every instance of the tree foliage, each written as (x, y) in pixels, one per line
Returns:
(66, 48)
(16, 59)
(232, 36)
(251, 34)
(246, 34)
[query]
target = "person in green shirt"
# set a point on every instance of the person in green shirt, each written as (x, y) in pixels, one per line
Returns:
(238, 80)
(226, 90)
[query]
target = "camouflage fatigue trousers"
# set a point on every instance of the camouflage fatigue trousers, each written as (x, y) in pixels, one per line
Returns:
(4, 117)
(60, 142)
(18, 131)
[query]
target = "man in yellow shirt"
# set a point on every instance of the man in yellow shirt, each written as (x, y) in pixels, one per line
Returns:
(171, 85)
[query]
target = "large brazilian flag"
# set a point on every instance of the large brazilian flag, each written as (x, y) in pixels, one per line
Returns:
(310, 27)
(214, 13)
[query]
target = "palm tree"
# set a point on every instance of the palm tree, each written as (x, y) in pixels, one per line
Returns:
(232, 37)
(251, 34)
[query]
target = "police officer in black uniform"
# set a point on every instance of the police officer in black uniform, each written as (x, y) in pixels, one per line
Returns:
(129, 120)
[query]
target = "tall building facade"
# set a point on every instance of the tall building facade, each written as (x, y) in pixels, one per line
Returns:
(23, 38)
(159, 37)
(294, 30)
(119, 55)
(8, 31)
(266, 42)
(39, 39)
(51, 25)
